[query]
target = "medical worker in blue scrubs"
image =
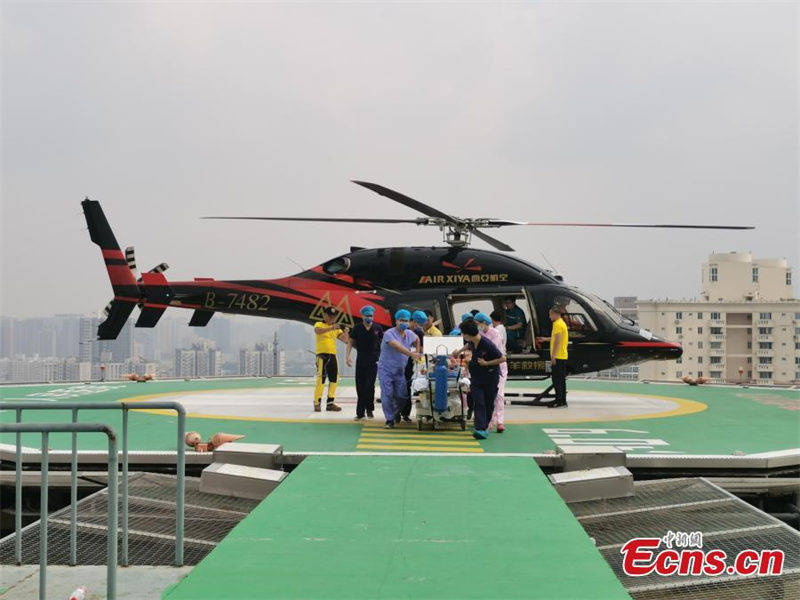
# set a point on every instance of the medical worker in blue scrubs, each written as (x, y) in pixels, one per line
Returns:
(399, 343)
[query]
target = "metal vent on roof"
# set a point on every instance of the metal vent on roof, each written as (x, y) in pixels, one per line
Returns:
(151, 520)
(688, 505)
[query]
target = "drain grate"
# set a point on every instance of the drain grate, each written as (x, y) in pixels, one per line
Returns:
(151, 524)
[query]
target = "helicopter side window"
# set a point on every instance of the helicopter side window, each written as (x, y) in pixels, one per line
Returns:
(579, 323)
(462, 306)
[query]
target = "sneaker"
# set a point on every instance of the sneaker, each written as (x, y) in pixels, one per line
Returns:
(369, 414)
(557, 405)
(500, 429)
(480, 434)
(389, 425)
(333, 407)
(406, 419)
(357, 418)
(317, 408)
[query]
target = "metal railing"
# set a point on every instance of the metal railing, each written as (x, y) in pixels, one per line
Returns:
(19, 407)
(113, 466)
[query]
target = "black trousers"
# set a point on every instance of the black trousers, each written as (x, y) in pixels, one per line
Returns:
(483, 395)
(559, 375)
(404, 404)
(366, 373)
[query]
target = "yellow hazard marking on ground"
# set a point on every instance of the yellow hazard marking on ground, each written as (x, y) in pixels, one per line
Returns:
(419, 448)
(685, 407)
(374, 438)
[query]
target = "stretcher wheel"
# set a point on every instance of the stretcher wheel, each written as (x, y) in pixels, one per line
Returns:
(419, 424)
(463, 425)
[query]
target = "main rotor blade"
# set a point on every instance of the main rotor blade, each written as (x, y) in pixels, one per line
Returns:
(419, 221)
(504, 223)
(492, 241)
(406, 201)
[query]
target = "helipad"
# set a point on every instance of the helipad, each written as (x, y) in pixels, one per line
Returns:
(638, 418)
(293, 405)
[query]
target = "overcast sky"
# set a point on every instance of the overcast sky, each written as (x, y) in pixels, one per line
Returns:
(166, 112)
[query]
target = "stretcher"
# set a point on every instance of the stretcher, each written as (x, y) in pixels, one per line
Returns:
(440, 384)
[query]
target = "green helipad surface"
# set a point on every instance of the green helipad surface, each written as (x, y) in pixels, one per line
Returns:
(406, 527)
(639, 418)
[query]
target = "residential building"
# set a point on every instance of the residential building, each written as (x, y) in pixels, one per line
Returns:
(744, 328)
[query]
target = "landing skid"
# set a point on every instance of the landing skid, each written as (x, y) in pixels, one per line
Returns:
(537, 398)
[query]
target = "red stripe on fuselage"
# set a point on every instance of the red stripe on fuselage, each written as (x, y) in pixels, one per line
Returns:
(649, 344)
(227, 285)
(300, 283)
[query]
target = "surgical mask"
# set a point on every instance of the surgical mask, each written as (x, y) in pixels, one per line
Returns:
(367, 320)
(402, 326)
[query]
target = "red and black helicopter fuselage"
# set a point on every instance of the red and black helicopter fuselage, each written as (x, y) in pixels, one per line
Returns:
(444, 280)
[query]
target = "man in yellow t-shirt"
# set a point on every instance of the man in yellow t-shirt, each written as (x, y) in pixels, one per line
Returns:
(429, 328)
(558, 358)
(326, 334)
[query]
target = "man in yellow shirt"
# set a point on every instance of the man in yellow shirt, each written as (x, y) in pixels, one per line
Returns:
(558, 358)
(429, 328)
(327, 333)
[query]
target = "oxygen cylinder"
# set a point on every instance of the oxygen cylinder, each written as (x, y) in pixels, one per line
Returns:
(440, 384)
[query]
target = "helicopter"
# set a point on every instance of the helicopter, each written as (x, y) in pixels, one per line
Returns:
(445, 280)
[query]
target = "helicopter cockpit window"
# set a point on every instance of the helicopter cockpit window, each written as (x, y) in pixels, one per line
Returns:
(337, 265)
(579, 322)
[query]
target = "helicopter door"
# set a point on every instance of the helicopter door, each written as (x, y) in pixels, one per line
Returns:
(524, 361)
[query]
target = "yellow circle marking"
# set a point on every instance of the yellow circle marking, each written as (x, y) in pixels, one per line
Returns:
(685, 407)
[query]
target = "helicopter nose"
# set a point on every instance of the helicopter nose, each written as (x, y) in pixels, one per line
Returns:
(671, 351)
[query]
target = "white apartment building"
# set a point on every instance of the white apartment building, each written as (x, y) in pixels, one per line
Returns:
(258, 362)
(744, 328)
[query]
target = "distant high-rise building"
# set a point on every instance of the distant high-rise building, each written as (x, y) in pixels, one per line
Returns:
(198, 361)
(68, 335)
(97, 351)
(257, 362)
(6, 337)
(745, 327)
(218, 331)
(296, 336)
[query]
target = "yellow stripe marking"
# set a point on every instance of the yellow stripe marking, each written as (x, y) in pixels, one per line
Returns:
(427, 433)
(417, 448)
(388, 440)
